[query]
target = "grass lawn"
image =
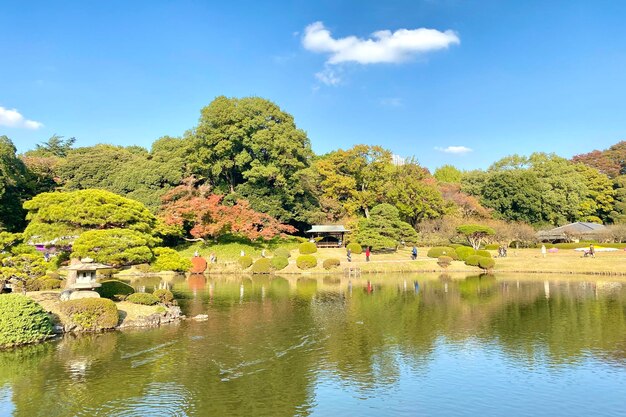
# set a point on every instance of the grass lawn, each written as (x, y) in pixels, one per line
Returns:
(565, 261)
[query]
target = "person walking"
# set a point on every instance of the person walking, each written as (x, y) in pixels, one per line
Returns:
(543, 250)
(414, 253)
(349, 255)
(367, 254)
(592, 251)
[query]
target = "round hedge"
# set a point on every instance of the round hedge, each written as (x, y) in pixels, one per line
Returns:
(245, 261)
(486, 263)
(438, 251)
(91, 314)
(355, 248)
(22, 321)
(165, 296)
(284, 252)
(306, 248)
(114, 290)
(306, 261)
(472, 260)
(331, 263)
(462, 252)
(279, 262)
(444, 261)
(142, 298)
(262, 266)
(483, 253)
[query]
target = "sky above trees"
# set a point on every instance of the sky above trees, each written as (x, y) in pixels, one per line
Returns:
(448, 81)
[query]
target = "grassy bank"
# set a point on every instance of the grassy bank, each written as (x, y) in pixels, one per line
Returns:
(519, 260)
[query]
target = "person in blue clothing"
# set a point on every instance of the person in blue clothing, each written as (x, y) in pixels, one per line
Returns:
(414, 253)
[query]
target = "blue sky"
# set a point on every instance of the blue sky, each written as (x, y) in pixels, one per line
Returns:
(508, 77)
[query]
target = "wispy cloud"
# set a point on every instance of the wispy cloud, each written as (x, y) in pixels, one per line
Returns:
(391, 102)
(328, 76)
(457, 150)
(384, 46)
(13, 118)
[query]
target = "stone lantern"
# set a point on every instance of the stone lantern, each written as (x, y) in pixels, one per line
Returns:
(81, 279)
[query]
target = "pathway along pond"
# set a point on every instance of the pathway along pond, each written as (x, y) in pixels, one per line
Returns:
(409, 345)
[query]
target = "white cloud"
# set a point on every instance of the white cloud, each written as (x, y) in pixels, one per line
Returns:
(458, 150)
(383, 46)
(328, 76)
(13, 118)
(391, 102)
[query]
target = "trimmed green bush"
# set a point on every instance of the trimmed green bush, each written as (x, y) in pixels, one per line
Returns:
(472, 260)
(306, 248)
(444, 261)
(492, 246)
(483, 253)
(331, 263)
(463, 252)
(455, 245)
(355, 248)
(262, 266)
(91, 314)
(114, 290)
(245, 261)
(142, 298)
(165, 296)
(279, 262)
(284, 252)
(22, 321)
(306, 261)
(486, 263)
(438, 251)
(167, 259)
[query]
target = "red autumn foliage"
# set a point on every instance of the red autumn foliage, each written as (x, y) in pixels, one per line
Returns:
(468, 205)
(187, 206)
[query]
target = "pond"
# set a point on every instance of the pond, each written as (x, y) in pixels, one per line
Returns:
(411, 345)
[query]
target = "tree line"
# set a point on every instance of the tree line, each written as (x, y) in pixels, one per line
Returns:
(246, 168)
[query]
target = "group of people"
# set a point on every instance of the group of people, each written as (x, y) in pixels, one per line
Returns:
(368, 252)
(212, 257)
(502, 250)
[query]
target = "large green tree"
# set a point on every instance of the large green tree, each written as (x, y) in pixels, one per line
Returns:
(384, 229)
(16, 186)
(65, 215)
(252, 149)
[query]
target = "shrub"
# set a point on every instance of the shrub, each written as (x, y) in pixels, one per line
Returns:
(438, 251)
(22, 321)
(306, 261)
(142, 298)
(306, 248)
(262, 266)
(331, 263)
(463, 252)
(444, 261)
(91, 314)
(284, 252)
(279, 262)
(455, 245)
(164, 296)
(486, 263)
(483, 253)
(167, 259)
(493, 246)
(114, 290)
(355, 248)
(245, 261)
(50, 284)
(472, 260)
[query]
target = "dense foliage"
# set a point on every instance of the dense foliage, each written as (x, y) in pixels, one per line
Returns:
(245, 261)
(114, 290)
(262, 266)
(143, 298)
(331, 263)
(306, 248)
(164, 296)
(306, 261)
(384, 229)
(90, 314)
(22, 321)
(167, 259)
(279, 262)
(116, 247)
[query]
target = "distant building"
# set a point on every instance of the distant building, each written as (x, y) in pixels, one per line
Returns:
(328, 235)
(573, 232)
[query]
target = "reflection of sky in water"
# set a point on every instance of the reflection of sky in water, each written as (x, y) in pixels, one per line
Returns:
(6, 405)
(475, 347)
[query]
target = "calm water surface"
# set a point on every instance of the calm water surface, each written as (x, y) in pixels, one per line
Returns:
(410, 345)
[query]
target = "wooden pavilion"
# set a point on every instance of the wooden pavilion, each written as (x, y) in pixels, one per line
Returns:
(328, 235)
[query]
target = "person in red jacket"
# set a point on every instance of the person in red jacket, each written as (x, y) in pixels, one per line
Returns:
(367, 254)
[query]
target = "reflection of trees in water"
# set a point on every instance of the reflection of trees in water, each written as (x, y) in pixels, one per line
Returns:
(262, 349)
